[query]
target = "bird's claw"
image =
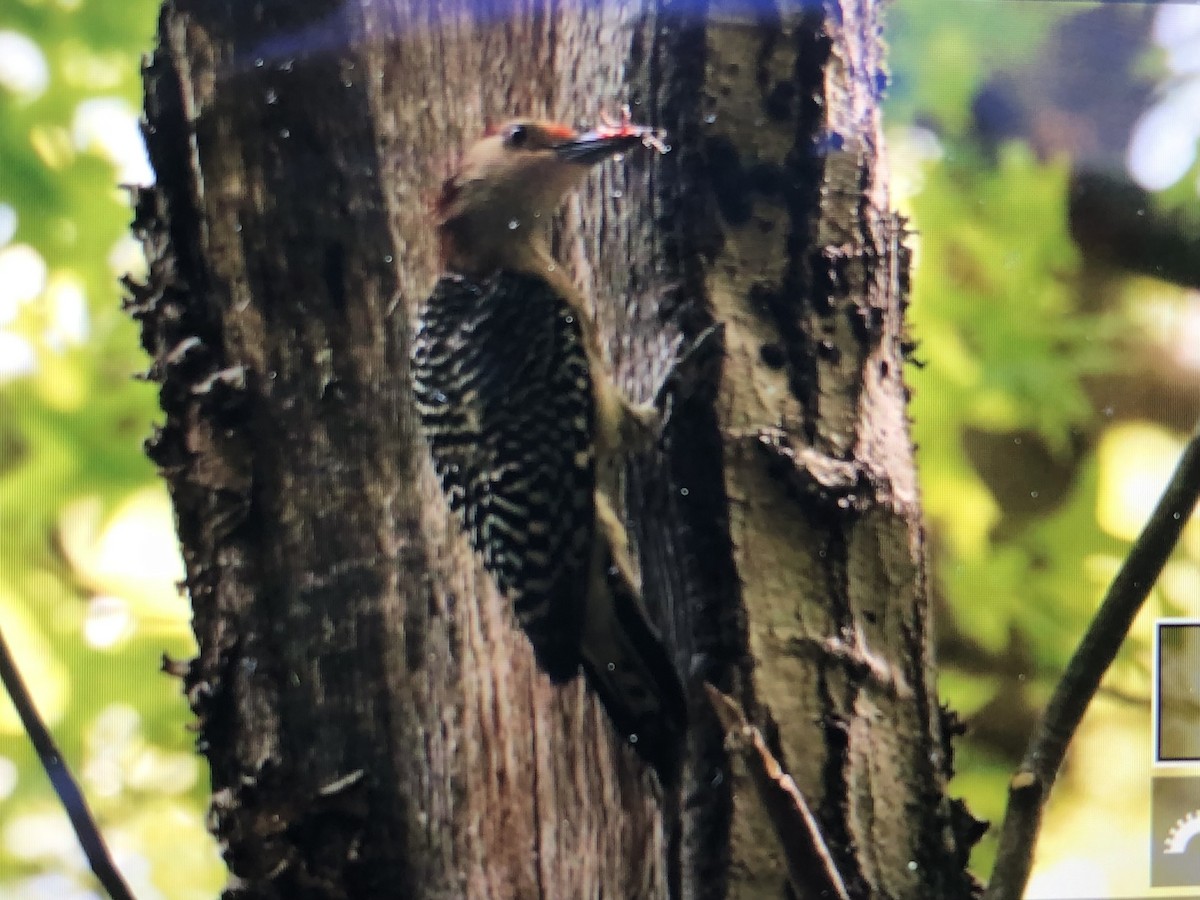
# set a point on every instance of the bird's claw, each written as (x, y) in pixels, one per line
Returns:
(691, 369)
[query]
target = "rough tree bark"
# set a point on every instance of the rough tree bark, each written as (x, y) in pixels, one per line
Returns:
(375, 723)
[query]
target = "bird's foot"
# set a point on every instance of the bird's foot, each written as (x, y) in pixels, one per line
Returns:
(693, 369)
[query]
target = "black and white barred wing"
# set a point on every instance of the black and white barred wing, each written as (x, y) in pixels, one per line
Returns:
(504, 395)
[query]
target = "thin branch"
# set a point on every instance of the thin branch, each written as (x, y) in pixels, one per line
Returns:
(1031, 784)
(811, 869)
(61, 779)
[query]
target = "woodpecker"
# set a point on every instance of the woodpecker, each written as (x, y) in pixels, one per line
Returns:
(528, 432)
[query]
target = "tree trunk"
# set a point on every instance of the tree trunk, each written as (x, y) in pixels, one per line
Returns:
(375, 721)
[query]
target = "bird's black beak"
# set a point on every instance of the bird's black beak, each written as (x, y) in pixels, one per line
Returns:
(595, 146)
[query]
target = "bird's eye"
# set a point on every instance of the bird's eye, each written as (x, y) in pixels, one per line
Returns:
(516, 136)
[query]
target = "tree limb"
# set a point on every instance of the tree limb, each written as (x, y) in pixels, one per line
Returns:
(1030, 786)
(811, 869)
(61, 780)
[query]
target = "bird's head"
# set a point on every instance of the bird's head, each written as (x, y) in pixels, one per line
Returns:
(508, 184)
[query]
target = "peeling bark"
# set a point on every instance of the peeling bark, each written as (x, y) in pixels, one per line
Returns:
(375, 722)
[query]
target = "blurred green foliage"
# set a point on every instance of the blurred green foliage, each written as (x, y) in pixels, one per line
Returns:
(940, 53)
(1007, 340)
(1033, 483)
(88, 563)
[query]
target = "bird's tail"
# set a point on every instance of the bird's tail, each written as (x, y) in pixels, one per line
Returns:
(630, 669)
